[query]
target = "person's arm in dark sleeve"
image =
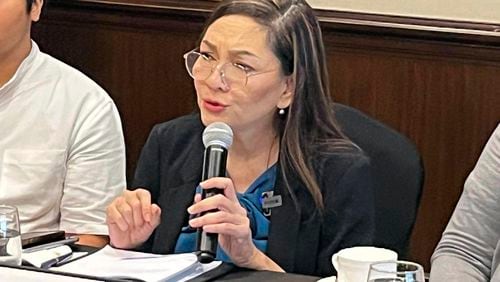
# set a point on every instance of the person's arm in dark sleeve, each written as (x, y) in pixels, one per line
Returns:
(349, 218)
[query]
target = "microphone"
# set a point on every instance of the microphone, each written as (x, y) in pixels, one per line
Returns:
(217, 138)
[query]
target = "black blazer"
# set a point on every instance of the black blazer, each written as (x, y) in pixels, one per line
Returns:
(300, 239)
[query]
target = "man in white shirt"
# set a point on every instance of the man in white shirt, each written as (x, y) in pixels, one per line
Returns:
(62, 154)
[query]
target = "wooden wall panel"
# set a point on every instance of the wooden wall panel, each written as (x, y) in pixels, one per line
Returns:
(440, 88)
(447, 108)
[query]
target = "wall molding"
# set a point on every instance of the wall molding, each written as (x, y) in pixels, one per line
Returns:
(359, 22)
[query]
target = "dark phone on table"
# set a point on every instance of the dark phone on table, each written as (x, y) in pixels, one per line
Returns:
(31, 239)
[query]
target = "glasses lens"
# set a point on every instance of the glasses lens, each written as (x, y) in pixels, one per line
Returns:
(200, 67)
(197, 66)
(234, 75)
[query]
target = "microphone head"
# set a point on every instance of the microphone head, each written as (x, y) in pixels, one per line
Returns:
(218, 133)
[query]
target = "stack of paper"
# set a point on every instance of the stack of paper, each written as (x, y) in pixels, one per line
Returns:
(25, 274)
(109, 262)
(48, 257)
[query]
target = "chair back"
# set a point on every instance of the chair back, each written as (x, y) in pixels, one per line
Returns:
(398, 174)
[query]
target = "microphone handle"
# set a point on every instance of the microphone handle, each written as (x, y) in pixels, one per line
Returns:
(214, 165)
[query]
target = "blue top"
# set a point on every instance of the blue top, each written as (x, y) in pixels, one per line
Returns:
(251, 201)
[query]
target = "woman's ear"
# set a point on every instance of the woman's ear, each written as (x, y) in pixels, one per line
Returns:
(288, 94)
(36, 10)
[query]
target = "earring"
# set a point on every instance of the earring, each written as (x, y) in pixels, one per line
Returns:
(281, 112)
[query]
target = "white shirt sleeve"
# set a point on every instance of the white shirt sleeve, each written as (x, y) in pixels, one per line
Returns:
(95, 172)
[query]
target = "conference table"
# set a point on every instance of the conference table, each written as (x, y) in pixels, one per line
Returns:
(225, 272)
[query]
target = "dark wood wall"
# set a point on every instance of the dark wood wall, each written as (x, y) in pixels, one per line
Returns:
(438, 86)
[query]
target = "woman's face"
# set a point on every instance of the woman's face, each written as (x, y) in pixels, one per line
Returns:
(236, 41)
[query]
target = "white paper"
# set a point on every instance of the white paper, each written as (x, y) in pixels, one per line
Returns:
(202, 268)
(38, 258)
(26, 275)
(110, 262)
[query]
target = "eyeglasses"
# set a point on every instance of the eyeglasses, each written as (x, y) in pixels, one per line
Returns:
(200, 66)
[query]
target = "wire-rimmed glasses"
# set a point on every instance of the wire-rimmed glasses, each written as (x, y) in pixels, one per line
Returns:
(201, 66)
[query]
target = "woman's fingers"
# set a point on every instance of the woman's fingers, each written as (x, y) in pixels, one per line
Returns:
(222, 213)
(217, 202)
(145, 199)
(236, 231)
(125, 210)
(218, 217)
(223, 183)
(132, 218)
(139, 205)
(222, 222)
(197, 197)
(155, 215)
(114, 217)
(132, 209)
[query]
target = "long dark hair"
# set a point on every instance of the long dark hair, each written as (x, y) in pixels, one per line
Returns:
(309, 125)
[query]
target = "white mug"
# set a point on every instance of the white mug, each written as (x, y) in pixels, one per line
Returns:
(353, 264)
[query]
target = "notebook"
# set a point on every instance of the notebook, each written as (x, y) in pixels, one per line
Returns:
(115, 263)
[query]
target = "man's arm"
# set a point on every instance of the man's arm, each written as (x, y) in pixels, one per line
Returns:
(98, 241)
(95, 172)
(465, 252)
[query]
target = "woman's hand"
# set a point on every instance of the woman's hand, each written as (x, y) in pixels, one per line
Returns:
(131, 219)
(231, 223)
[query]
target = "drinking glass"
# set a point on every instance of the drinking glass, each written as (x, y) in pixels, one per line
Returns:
(396, 271)
(10, 236)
